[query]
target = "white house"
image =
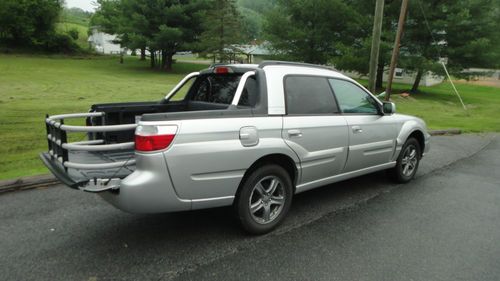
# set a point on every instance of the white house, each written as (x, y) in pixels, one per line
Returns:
(103, 42)
(402, 76)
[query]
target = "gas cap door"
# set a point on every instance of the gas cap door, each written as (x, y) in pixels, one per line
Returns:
(249, 136)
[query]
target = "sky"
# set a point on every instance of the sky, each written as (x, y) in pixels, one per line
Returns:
(82, 4)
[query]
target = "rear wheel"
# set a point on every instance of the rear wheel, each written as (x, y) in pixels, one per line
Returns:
(407, 163)
(264, 199)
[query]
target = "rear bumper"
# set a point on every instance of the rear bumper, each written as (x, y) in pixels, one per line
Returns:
(148, 189)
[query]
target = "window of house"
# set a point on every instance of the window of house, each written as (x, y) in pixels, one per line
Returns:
(398, 73)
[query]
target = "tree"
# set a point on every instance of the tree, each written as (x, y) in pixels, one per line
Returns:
(222, 29)
(312, 31)
(251, 24)
(73, 33)
(252, 16)
(259, 6)
(161, 26)
(29, 23)
(355, 57)
(464, 33)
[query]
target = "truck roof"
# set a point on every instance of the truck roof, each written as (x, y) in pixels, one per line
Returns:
(239, 68)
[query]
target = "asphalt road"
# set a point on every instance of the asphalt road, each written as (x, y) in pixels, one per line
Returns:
(444, 225)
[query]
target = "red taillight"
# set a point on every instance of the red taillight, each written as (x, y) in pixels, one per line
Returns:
(152, 143)
(222, 70)
(154, 137)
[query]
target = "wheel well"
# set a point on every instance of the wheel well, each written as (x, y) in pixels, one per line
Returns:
(282, 160)
(419, 136)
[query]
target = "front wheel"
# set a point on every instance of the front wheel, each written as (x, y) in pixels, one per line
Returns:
(264, 199)
(407, 163)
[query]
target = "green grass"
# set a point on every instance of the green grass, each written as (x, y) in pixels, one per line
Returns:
(31, 86)
(440, 107)
(64, 27)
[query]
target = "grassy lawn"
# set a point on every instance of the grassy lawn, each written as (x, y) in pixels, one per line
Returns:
(31, 86)
(64, 27)
(441, 109)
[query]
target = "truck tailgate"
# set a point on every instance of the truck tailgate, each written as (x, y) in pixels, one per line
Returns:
(89, 165)
(76, 178)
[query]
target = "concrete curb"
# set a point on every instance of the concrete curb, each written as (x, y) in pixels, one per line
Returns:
(25, 183)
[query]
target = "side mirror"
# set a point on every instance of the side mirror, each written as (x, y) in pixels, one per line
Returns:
(389, 107)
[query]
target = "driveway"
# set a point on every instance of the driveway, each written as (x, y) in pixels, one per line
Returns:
(445, 225)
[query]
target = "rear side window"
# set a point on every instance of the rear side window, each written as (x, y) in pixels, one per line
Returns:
(215, 88)
(309, 95)
(250, 93)
(353, 99)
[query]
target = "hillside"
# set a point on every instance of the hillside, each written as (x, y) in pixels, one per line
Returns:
(77, 19)
(253, 12)
(76, 16)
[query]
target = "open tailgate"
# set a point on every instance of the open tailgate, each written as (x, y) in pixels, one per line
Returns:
(92, 165)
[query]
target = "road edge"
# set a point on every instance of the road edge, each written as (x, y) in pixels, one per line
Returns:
(26, 183)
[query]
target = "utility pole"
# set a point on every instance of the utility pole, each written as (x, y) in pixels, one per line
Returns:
(377, 30)
(395, 50)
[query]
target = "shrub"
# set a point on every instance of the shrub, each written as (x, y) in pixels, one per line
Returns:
(73, 33)
(60, 43)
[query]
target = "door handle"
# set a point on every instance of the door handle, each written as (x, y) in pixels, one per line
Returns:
(295, 133)
(357, 129)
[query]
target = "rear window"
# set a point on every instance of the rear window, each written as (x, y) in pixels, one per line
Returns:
(215, 88)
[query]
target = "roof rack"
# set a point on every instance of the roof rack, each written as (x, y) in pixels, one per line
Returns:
(273, 62)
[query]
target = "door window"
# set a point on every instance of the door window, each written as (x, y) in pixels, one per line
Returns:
(353, 99)
(309, 95)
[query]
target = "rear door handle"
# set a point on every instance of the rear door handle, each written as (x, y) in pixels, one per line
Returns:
(295, 133)
(357, 129)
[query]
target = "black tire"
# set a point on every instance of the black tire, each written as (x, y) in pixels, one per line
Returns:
(255, 222)
(405, 161)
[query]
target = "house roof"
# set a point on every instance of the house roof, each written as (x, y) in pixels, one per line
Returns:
(252, 49)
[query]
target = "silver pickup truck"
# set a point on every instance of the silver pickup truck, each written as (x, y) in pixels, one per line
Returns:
(250, 136)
